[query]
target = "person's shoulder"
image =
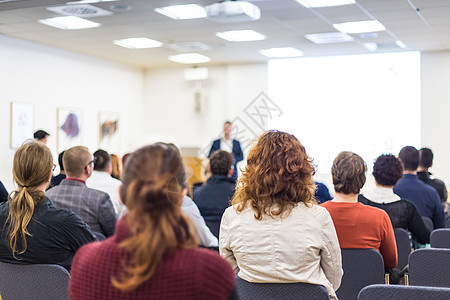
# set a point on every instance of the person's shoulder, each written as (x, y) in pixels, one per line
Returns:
(211, 260)
(373, 211)
(87, 255)
(96, 193)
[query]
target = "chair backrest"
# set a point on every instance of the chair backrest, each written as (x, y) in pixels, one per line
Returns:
(362, 267)
(440, 238)
(33, 282)
(286, 291)
(429, 267)
(383, 291)
(428, 223)
(403, 246)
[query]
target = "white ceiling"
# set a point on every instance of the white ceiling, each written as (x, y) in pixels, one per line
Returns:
(422, 25)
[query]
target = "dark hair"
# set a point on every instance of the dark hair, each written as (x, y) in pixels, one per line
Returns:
(227, 122)
(220, 162)
(348, 172)
(152, 188)
(409, 157)
(425, 157)
(277, 177)
(387, 170)
(40, 134)
(102, 160)
(60, 160)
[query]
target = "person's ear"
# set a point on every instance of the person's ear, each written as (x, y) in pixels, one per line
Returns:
(230, 172)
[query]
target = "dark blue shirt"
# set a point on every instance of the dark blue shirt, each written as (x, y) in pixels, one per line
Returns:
(322, 194)
(425, 198)
(3, 193)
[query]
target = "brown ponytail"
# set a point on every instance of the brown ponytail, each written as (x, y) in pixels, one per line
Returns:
(31, 168)
(152, 189)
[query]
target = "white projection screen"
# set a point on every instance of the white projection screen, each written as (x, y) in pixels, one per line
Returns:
(368, 104)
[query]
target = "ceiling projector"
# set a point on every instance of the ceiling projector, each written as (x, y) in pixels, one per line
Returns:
(233, 12)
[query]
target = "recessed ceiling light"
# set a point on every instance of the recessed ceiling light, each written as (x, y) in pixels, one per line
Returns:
(138, 43)
(281, 52)
(183, 12)
(241, 35)
(371, 46)
(400, 44)
(189, 58)
(90, 1)
(324, 3)
(80, 10)
(69, 22)
(359, 27)
(329, 37)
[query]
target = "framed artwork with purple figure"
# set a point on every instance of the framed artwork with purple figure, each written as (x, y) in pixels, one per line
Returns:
(109, 132)
(69, 132)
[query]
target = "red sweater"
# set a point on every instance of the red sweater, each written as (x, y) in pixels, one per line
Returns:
(362, 226)
(186, 274)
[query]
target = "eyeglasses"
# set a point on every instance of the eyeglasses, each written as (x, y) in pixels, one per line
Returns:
(54, 167)
(91, 162)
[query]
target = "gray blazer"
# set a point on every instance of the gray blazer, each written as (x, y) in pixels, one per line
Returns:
(93, 206)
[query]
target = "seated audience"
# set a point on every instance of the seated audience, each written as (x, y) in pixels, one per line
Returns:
(101, 180)
(41, 136)
(213, 198)
(424, 196)
(387, 170)
(322, 194)
(275, 231)
(116, 164)
(358, 225)
(32, 230)
(153, 254)
(93, 206)
(56, 180)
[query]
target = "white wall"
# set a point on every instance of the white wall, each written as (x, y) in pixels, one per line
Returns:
(435, 111)
(51, 78)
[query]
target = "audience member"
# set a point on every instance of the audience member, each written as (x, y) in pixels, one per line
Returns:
(322, 194)
(124, 159)
(422, 195)
(387, 170)
(101, 180)
(32, 230)
(41, 136)
(275, 232)
(154, 253)
(93, 206)
(116, 164)
(213, 198)
(3, 193)
(56, 180)
(358, 225)
(230, 145)
(426, 162)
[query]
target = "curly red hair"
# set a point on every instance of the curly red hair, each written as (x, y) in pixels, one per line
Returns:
(277, 177)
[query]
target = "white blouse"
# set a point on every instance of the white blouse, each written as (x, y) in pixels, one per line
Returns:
(300, 247)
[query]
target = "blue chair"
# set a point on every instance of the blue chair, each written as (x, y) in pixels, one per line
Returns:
(286, 291)
(33, 282)
(401, 292)
(429, 267)
(440, 238)
(403, 247)
(362, 267)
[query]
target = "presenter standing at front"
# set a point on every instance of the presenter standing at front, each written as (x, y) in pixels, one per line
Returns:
(228, 144)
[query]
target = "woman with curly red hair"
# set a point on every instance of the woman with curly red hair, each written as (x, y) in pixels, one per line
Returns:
(275, 231)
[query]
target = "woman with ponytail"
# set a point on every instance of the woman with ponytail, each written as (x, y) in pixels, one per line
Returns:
(154, 252)
(32, 230)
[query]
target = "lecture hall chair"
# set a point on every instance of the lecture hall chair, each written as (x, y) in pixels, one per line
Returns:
(440, 238)
(429, 267)
(401, 292)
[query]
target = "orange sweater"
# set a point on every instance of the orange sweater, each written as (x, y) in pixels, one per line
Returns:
(362, 226)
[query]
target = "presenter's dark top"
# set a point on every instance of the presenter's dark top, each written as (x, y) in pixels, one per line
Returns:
(56, 235)
(238, 155)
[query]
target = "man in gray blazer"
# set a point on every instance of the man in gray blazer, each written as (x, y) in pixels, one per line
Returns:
(93, 206)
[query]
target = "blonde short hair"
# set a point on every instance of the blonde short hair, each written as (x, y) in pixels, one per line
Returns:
(75, 160)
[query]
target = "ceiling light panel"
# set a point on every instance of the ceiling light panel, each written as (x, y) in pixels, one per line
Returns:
(281, 52)
(90, 1)
(189, 58)
(69, 23)
(182, 12)
(324, 3)
(82, 11)
(329, 38)
(138, 43)
(360, 26)
(241, 35)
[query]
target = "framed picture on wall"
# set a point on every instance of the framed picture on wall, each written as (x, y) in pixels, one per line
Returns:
(69, 132)
(109, 132)
(22, 123)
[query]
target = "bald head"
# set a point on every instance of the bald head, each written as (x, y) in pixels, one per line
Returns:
(75, 161)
